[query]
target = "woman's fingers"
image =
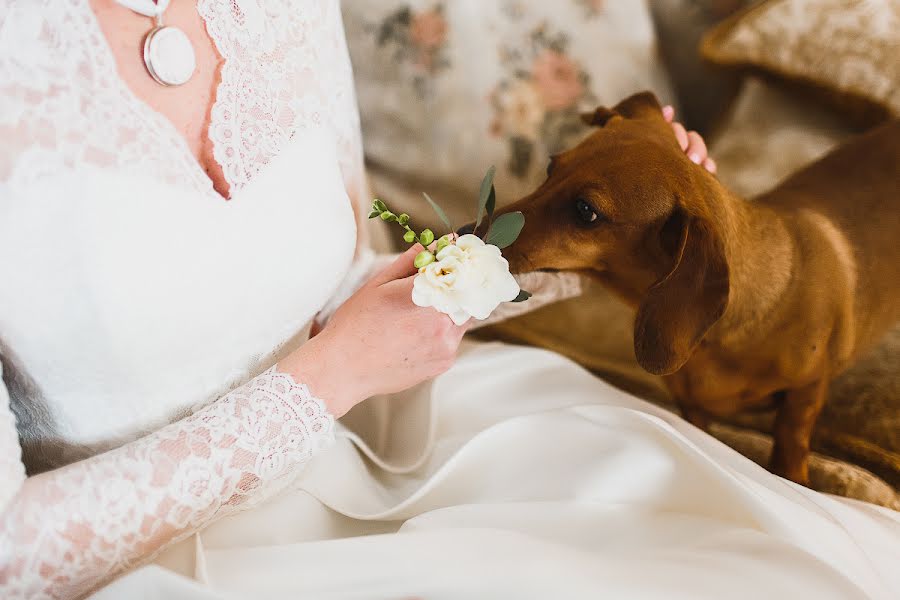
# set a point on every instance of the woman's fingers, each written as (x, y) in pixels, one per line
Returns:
(668, 113)
(681, 135)
(696, 149)
(401, 267)
(691, 142)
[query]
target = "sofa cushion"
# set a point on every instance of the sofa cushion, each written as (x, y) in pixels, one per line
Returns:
(844, 52)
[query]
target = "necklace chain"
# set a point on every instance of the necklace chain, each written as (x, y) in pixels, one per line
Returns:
(148, 8)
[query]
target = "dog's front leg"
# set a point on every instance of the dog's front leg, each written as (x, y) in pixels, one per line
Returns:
(793, 429)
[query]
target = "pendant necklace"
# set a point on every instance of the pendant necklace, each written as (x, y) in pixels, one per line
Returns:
(168, 53)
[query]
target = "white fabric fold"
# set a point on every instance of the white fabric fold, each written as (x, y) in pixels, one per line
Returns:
(537, 480)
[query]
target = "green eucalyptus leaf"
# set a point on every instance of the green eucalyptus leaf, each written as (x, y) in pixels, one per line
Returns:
(439, 211)
(505, 229)
(403, 219)
(374, 213)
(378, 205)
(388, 216)
(442, 243)
(409, 237)
(487, 185)
(426, 237)
(522, 297)
(491, 203)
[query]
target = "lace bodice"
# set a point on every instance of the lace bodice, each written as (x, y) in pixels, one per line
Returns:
(285, 71)
(136, 299)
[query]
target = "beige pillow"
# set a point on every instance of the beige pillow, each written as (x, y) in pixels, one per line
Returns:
(769, 134)
(847, 52)
(447, 89)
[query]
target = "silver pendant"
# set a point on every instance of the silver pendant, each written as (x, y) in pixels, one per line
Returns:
(169, 55)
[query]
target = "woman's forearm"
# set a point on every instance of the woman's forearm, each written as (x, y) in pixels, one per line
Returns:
(69, 530)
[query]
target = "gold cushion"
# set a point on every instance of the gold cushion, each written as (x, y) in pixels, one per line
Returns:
(846, 52)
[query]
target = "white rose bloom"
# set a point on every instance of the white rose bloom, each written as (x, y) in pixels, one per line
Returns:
(468, 279)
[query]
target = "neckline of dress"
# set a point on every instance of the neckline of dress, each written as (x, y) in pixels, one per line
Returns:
(195, 170)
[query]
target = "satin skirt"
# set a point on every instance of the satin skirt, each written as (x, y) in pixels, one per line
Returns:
(517, 474)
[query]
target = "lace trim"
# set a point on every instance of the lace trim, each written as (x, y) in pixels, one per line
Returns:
(63, 104)
(275, 81)
(57, 74)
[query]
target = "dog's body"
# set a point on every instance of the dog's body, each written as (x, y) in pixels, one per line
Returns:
(741, 305)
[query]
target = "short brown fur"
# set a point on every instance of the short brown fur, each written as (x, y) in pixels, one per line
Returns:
(740, 305)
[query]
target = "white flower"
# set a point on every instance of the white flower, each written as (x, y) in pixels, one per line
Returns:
(468, 279)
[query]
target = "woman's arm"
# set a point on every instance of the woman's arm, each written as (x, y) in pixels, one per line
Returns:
(67, 531)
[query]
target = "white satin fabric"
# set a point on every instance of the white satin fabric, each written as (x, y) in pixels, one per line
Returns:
(519, 475)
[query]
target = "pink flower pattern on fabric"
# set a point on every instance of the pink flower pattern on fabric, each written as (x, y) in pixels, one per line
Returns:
(538, 103)
(418, 40)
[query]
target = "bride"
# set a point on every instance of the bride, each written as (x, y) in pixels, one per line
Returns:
(163, 251)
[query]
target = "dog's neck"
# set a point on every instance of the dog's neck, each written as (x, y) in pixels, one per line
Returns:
(760, 252)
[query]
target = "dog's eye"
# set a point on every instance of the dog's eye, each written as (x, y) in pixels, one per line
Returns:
(586, 212)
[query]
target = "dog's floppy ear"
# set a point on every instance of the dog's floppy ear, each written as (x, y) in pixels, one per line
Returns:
(632, 107)
(680, 308)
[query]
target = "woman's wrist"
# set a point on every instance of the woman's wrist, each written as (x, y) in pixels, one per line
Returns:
(315, 365)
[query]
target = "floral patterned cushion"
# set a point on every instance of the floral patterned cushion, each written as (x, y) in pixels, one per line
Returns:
(846, 51)
(447, 89)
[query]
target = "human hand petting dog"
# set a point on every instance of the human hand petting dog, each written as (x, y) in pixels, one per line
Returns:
(690, 141)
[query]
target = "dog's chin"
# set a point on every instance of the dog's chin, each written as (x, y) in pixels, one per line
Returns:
(587, 272)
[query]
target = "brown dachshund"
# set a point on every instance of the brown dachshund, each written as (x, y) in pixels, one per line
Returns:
(740, 305)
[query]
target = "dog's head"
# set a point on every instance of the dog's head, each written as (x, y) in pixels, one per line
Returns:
(629, 208)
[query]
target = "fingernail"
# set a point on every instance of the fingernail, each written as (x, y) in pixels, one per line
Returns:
(695, 158)
(668, 111)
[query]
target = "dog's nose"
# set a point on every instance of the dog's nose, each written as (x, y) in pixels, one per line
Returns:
(465, 229)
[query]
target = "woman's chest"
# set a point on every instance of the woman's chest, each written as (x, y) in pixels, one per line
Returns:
(186, 106)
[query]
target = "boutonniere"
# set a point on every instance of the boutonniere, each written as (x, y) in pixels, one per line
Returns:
(463, 276)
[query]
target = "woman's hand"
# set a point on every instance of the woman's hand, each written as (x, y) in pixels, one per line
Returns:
(690, 141)
(377, 342)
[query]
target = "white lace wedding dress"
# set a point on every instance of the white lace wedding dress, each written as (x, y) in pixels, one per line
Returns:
(141, 314)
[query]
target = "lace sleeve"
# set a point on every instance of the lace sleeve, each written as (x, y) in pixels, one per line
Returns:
(65, 532)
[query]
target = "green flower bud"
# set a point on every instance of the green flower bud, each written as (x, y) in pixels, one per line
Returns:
(409, 237)
(423, 258)
(403, 219)
(388, 216)
(374, 213)
(442, 243)
(426, 237)
(378, 205)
